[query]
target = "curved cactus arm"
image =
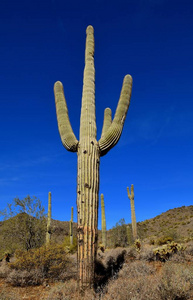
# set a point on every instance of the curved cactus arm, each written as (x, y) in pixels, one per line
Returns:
(112, 135)
(107, 121)
(130, 195)
(68, 138)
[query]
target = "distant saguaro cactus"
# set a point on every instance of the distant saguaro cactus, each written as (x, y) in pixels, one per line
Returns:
(133, 218)
(48, 232)
(89, 152)
(71, 227)
(103, 219)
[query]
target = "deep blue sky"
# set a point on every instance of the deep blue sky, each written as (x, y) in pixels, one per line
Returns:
(44, 41)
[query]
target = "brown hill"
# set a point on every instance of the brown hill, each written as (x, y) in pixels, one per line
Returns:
(176, 223)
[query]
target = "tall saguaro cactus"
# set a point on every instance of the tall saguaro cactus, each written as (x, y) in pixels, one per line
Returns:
(104, 233)
(48, 232)
(71, 227)
(89, 151)
(133, 218)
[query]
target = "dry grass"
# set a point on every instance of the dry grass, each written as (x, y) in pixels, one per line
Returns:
(136, 279)
(121, 274)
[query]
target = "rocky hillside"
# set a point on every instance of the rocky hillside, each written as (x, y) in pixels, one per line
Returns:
(175, 223)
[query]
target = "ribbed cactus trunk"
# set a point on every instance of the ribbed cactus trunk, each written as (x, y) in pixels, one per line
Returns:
(133, 217)
(71, 227)
(103, 222)
(89, 152)
(48, 231)
(88, 172)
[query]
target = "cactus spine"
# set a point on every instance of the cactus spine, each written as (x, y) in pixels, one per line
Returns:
(89, 152)
(71, 227)
(48, 232)
(104, 233)
(133, 218)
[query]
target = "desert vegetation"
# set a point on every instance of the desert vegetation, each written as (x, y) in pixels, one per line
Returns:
(147, 269)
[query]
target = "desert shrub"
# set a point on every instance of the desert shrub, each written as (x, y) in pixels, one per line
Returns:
(164, 252)
(189, 248)
(133, 283)
(176, 281)
(152, 241)
(69, 291)
(131, 253)
(112, 253)
(24, 278)
(66, 291)
(140, 281)
(4, 295)
(147, 253)
(136, 269)
(164, 240)
(51, 262)
(4, 269)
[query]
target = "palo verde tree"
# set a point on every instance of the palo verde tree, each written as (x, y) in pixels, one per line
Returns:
(24, 224)
(89, 151)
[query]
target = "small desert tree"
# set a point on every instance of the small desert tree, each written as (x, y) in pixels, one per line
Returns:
(119, 234)
(24, 224)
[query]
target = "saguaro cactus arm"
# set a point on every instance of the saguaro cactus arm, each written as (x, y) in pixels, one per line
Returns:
(107, 121)
(110, 138)
(130, 195)
(68, 138)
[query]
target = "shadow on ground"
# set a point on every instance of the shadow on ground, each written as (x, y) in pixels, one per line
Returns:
(110, 270)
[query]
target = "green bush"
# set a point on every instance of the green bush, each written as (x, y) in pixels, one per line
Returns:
(68, 247)
(176, 282)
(49, 261)
(164, 252)
(164, 240)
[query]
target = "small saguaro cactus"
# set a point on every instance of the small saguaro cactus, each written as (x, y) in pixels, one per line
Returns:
(129, 235)
(71, 227)
(103, 221)
(48, 231)
(133, 218)
(89, 151)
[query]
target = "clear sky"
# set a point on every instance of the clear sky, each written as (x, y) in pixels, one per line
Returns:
(44, 41)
